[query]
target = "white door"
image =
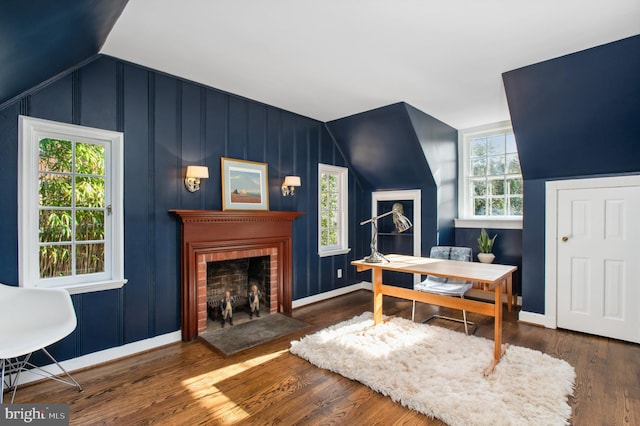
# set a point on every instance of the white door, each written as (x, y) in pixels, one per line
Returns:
(598, 263)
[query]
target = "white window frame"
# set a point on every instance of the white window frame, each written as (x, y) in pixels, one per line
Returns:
(465, 217)
(343, 187)
(30, 132)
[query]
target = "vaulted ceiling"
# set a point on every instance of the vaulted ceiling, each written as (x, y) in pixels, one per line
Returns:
(324, 60)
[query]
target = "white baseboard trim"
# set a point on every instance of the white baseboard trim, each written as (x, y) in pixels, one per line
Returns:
(329, 294)
(533, 318)
(106, 355)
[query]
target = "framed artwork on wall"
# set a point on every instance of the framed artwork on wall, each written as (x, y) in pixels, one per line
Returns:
(244, 185)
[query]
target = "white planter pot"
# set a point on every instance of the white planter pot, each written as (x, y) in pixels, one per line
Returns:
(486, 257)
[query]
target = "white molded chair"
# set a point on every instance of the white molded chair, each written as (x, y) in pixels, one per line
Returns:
(30, 320)
(447, 286)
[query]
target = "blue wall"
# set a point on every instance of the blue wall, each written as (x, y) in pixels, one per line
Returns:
(400, 147)
(507, 248)
(574, 116)
(169, 123)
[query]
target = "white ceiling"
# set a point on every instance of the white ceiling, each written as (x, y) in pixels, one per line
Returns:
(330, 59)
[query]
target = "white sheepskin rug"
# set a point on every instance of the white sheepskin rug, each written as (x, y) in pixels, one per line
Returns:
(439, 372)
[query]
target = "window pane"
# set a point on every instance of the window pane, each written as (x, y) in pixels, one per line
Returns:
(479, 187)
(515, 186)
(497, 207)
(479, 167)
(513, 164)
(496, 144)
(497, 187)
(511, 143)
(332, 183)
(55, 190)
(55, 155)
(324, 201)
(480, 206)
(89, 159)
(515, 206)
(89, 225)
(89, 258)
(55, 261)
(496, 165)
(324, 237)
(55, 226)
(478, 147)
(89, 192)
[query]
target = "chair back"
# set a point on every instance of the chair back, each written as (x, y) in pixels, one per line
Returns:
(464, 254)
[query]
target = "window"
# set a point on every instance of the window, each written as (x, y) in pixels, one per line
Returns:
(70, 216)
(491, 178)
(332, 210)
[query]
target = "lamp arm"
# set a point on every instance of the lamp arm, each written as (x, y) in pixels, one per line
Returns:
(377, 217)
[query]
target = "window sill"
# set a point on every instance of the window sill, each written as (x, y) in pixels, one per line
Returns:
(94, 286)
(492, 223)
(334, 252)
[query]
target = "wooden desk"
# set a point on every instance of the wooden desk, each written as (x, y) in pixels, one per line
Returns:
(493, 276)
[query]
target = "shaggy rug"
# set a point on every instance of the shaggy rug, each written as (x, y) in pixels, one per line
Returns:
(439, 372)
(236, 338)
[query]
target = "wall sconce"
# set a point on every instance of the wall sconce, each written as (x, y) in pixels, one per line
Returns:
(193, 176)
(289, 185)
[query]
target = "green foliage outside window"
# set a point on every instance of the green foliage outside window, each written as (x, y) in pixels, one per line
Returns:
(494, 176)
(71, 178)
(329, 210)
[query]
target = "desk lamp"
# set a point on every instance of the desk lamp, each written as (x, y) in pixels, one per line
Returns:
(401, 222)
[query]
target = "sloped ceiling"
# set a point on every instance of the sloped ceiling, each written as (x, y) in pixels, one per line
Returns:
(324, 60)
(40, 39)
(331, 59)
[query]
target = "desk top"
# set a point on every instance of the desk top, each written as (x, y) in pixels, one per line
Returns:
(489, 273)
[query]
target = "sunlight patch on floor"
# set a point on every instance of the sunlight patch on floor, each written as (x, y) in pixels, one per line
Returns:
(202, 387)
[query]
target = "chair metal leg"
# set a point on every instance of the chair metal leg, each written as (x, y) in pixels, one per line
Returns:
(2, 382)
(18, 366)
(413, 311)
(463, 320)
(71, 381)
(464, 316)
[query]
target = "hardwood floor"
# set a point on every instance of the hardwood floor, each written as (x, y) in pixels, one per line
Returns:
(190, 384)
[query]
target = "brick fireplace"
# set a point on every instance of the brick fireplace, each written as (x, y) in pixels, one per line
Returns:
(210, 235)
(222, 256)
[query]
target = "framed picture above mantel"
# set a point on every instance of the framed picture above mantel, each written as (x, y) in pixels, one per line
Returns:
(244, 185)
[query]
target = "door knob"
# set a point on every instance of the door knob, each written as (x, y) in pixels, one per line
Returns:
(565, 238)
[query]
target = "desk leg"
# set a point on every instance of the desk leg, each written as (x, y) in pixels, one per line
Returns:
(509, 292)
(376, 274)
(498, 350)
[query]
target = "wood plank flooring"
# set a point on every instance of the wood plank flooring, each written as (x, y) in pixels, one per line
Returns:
(190, 384)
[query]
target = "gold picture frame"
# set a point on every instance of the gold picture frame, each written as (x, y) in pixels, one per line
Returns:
(244, 185)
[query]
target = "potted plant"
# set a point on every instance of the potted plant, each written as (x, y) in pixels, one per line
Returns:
(485, 245)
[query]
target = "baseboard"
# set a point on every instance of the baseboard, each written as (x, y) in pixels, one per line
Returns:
(106, 355)
(532, 318)
(330, 294)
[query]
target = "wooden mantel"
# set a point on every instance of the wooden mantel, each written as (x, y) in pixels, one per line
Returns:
(207, 231)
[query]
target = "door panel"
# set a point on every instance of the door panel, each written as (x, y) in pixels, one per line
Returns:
(598, 266)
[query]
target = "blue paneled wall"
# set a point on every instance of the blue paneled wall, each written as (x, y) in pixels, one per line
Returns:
(170, 123)
(574, 116)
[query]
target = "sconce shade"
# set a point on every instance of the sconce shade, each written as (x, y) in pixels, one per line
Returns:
(197, 172)
(292, 181)
(289, 184)
(193, 176)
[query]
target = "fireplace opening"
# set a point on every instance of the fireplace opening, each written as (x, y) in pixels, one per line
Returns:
(237, 276)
